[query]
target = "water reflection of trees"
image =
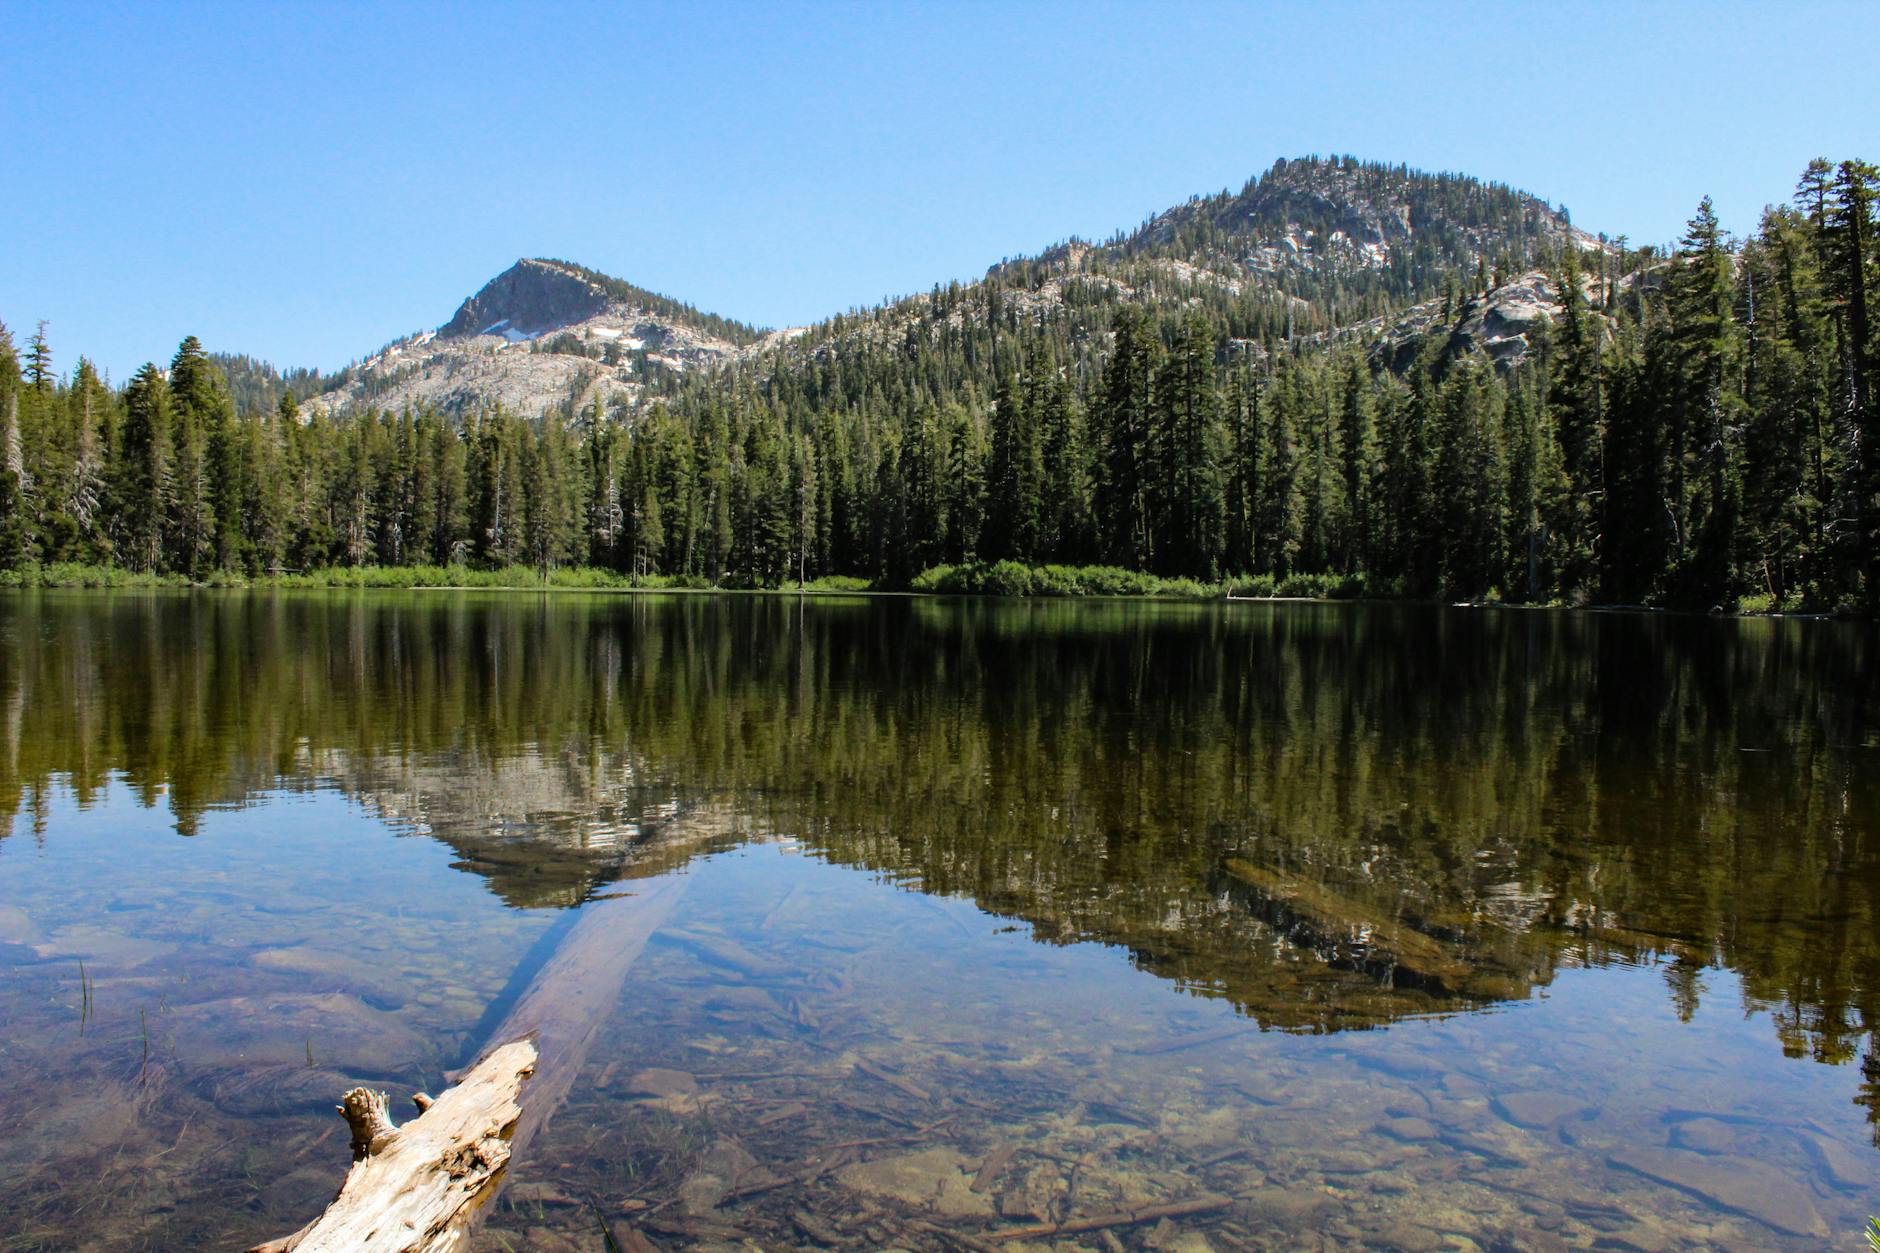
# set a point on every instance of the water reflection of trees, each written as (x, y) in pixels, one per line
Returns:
(1520, 790)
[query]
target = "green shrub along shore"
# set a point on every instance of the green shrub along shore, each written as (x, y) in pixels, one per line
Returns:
(1012, 578)
(518, 578)
(1003, 578)
(1000, 578)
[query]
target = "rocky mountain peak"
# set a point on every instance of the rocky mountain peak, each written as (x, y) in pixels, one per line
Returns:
(528, 299)
(542, 336)
(1313, 215)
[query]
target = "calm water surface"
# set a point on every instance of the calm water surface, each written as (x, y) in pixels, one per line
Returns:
(1320, 927)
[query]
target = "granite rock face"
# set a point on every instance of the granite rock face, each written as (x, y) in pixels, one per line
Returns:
(526, 300)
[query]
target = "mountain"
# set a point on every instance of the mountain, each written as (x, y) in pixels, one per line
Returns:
(1312, 248)
(1315, 226)
(541, 336)
(1342, 376)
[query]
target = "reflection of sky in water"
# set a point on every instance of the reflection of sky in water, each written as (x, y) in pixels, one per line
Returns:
(293, 946)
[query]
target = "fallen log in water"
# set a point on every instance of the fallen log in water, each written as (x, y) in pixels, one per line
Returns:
(421, 1187)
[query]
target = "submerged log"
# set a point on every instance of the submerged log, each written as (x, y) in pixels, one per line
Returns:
(569, 1000)
(422, 1187)
(1341, 918)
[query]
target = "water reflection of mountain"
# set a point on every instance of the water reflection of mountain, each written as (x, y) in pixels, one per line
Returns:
(1333, 815)
(544, 829)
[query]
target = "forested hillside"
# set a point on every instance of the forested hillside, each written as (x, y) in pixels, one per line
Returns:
(1344, 376)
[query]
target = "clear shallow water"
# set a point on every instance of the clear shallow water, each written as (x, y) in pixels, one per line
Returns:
(1348, 927)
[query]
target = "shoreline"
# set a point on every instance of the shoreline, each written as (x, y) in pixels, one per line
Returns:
(386, 579)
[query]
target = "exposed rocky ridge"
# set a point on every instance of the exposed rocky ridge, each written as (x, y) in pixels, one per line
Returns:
(1503, 325)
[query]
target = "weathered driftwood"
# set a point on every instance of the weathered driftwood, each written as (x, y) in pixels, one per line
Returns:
(421, 1187)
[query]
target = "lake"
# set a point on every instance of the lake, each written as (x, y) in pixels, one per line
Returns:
(1168, 926)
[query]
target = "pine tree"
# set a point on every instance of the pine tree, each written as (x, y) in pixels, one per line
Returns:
(923, 478)
(39, 372)
(1014, 475)
(606, 515)
(714, 472)
(1276, 529)
(1706, 419)
(1783, 410)
(89, 413)
(671, 462)
(354, 493)
(551, 496)
(198, 437)
(1576, 402)
(1469, 483)
(497, 489)
(1536, 487)
(1124, 419)
(1244, 465)
(1849, 245)
(965, 484)
(1188, 445)
(1416, 502)
(1065, 526)
(1811, 191)
(768, 514)
(267, 518)
(448, 524)
(646, 519)
(1358, 468)
(805, 496)
(16, 518)
(142, 493)
(1321, 504)
(1639, 518)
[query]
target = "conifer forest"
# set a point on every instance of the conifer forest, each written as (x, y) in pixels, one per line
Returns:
(1697, 428)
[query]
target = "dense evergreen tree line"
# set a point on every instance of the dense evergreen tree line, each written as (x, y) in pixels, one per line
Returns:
(1694, 430)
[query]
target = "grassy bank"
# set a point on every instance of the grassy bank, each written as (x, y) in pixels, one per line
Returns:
(571, 578)
(1002, 578)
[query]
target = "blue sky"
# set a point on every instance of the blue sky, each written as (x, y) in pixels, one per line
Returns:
(306, 182)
